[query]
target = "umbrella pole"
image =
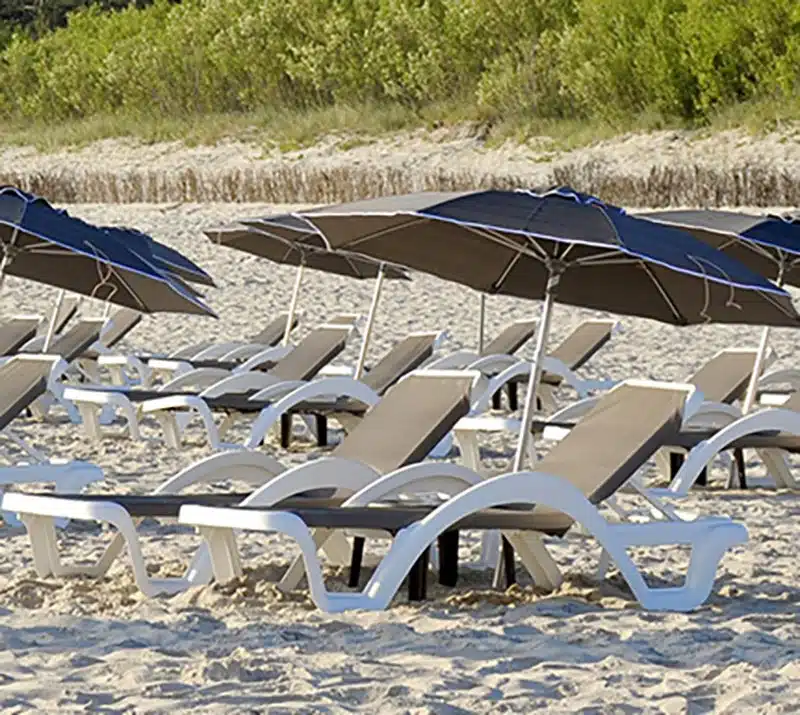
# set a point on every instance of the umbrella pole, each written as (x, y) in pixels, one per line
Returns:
(7, 249)
(293, 303)
(3, 263)
(481, 322)
(536, 371)
(758, 366)
(362, 354)
(51, 327)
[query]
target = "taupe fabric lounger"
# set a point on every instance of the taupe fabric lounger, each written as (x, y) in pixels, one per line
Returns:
(603, 451)
(15, 332)
(403, 358)
(269, 335)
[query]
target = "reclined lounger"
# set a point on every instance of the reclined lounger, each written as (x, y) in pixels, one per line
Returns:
(722, 380)
(24, 379)
(15, 332)
(223, 392)
(392, 439)
(601, 454)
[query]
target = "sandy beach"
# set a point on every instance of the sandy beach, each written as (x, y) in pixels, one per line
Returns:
(79, 645)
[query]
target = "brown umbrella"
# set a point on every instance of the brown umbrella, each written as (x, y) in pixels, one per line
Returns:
(287, 239)
(556, 244)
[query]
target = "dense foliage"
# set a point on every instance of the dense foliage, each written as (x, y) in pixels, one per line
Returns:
(543, 58)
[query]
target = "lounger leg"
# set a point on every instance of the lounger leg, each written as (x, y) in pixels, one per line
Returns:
(42, 536)
(355, 562)
(322, 430)
(676, 460)
(513, 396)
(508, 563)
(448, 558)
(91, 420)
(418, 578)
(537, 559)
(295, 572)
(224, 555)
(286, 430)
(497, 400)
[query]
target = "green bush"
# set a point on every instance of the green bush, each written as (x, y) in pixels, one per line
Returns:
(610, 59)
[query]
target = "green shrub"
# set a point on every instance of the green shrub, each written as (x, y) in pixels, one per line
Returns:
(609, 59)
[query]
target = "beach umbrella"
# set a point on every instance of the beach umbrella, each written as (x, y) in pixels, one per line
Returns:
(165, 258)
(769, 245)
(289, 240)
(552, 246)
(47, 245)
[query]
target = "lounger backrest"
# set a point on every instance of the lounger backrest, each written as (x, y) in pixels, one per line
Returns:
(408, 422)
(343, 319)
(273, 331)
(583, 342)
(22, 380)
(77, 339)
(66, 312)
(612, 441)
(404, 357)
(511, 339)
(724, 378)
(312, 353)
(14, 333)
(122, 322)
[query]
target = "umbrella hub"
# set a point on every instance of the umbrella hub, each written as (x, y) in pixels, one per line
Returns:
(556, 268)
(9, 252)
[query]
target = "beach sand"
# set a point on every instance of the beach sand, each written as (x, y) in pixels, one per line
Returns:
(99, 646)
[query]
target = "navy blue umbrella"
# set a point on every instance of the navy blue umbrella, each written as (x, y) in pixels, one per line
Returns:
(558, 244)
(166, 259)
(44, 244)
(767, 244)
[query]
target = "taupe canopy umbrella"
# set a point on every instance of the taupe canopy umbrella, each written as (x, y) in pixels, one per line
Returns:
(766, 244)
(290, 240)
(556, 245)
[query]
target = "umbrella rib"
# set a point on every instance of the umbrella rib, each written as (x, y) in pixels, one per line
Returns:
(604, 258)
(382, 232)
(667, 299)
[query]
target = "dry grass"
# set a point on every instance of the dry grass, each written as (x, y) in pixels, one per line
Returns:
(662, 186)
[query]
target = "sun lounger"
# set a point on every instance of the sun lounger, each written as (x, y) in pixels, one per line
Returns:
(722, 380)
(174, 404)
(24, 379)
(598, 457)
(405, 356)
(67, 310)
(774, 433)
(396, 435)
(68, 346)
(507, 342)
(233, 357)
(271, 334)
(15, 332)
(559, 366)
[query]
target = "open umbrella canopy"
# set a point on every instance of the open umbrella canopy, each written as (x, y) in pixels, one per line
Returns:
(47, 245)
(289, 240)
(512, 242)
(165, 258)
(766, 244)
(558, 245)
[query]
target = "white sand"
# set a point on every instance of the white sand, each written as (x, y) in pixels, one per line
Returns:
(80, 645)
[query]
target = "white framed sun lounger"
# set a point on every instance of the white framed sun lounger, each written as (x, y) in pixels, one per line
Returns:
(25, 377)
(445, 396)
(709, 537)
(174, 411)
